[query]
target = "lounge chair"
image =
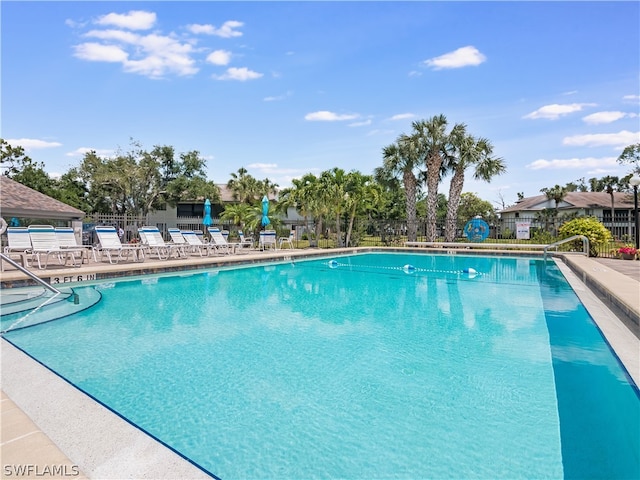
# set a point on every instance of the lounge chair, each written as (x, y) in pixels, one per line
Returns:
(45, 243)
(176, 237)
(18, 244)
(67, 239)
(155, 244)
(245, 242)
(267, 240)
(219, 242)
(194, 243)
(109, 244)
(289, 240)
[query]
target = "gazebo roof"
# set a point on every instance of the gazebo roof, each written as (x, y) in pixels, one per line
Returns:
(17, 200)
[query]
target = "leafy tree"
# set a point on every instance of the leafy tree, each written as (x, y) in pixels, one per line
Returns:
(472, 206)
(631, 156)
(393, 199)
(138, 181)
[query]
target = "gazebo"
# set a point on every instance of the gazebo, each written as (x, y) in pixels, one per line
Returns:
(20, 201)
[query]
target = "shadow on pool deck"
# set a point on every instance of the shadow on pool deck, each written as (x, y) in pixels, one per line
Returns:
(102, 445)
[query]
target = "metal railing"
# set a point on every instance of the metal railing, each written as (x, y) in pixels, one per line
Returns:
(30, 275)
(585, 245)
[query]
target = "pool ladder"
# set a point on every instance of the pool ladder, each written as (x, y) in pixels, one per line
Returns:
(585, 245)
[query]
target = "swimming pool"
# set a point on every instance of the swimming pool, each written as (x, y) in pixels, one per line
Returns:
(358, 368)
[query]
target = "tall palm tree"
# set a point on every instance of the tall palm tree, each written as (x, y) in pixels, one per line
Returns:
(467, 151)
(430, 140)
(402, 158)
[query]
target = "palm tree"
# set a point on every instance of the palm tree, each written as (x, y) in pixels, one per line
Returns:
(556, 194)
(467, 151)
(239, 214)
(430, 141)
(333, 192)
(306, 196)
(362, 196)
(245, 188)
(402, 158)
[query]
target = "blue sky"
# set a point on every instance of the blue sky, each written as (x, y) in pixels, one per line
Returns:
(287, 88)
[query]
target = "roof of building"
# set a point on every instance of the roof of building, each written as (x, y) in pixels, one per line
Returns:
(574, 200)
(17, 200)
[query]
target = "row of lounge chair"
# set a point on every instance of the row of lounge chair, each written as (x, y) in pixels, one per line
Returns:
(41, 242)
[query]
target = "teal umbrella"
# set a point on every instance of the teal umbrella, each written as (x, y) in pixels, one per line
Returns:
(206, 221)
(265, 211)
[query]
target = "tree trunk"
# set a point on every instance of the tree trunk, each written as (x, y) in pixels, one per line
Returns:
(350, 229)
(455, 190)
(434, 162)
(410, 192)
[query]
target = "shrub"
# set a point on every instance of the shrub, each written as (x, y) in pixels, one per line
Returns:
(591, 228)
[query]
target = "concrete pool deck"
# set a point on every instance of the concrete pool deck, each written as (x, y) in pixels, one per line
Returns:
(53, 430)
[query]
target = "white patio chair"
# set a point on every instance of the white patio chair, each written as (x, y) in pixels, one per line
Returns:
(18, 245)
(267, 240)
(194, 244)
(219, 242)
(289, 240)
(176, 237)
(245, 242)
(109, 244)
(155, 244)
(45, 243)
(67, 239)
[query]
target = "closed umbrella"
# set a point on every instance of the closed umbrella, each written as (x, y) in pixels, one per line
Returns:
(206, 221)
(265, 211)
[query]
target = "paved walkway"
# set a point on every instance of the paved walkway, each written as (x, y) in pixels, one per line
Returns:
(134, 455)
(630, 268)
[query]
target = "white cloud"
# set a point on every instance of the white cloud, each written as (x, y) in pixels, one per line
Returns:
(155, 55)
(632, 98)
(606, 117)
(97, 52)
(227, 30)
(264, 167)
(620, 139)
(120, 36)
(573, 163)
(241, 74)
(402, 116)
(277, 98)
(82, 151)
(556, 110)
(151, 55)
(31, 143)
(361, 124)
(326, 116)
(134, 20)
(462, 57)
(219, 57)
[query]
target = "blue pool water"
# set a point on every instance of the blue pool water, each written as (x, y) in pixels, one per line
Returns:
(367, 366)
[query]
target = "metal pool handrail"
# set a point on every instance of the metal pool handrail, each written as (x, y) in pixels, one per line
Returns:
(585, 244)
(29, 274)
